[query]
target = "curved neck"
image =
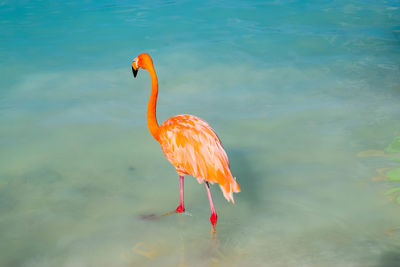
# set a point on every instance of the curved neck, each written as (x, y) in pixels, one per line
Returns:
(151, 107)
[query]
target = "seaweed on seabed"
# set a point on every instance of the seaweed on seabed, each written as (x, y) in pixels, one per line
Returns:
(393, 175)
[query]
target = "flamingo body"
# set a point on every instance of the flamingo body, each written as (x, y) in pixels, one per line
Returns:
(193, 147)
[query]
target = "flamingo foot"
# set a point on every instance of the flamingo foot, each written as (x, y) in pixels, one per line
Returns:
(180, 209)
(213, 220)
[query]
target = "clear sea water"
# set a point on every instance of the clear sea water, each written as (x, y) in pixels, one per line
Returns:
(305, 96)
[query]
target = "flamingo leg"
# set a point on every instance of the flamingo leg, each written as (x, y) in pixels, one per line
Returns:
(214, 216)
(181, 207)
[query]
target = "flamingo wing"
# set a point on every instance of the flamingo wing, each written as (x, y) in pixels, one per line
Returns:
(193, 147)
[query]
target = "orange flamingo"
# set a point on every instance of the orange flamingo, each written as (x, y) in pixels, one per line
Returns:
(190, 144)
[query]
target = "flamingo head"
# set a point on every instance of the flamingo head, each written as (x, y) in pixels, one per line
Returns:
(141, 61)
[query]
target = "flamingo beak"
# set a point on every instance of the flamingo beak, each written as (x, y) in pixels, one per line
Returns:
(135, 68)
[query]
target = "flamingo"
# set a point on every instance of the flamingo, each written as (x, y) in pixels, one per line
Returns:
(190, 144)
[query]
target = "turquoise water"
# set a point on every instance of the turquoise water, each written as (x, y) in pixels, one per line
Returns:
(303, 94)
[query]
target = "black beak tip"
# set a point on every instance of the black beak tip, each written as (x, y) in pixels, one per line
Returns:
(134, 72)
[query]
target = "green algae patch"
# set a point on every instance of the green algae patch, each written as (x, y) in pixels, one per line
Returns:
(394, 175)
(395, 159)
(393, 190)
(394, 147)
(390, 191)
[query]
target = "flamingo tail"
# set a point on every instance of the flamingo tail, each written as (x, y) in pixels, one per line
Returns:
(230, 187)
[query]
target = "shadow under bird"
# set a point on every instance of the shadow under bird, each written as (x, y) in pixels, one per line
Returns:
(190, 144)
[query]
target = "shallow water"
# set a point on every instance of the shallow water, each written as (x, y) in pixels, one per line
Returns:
(304, 95)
